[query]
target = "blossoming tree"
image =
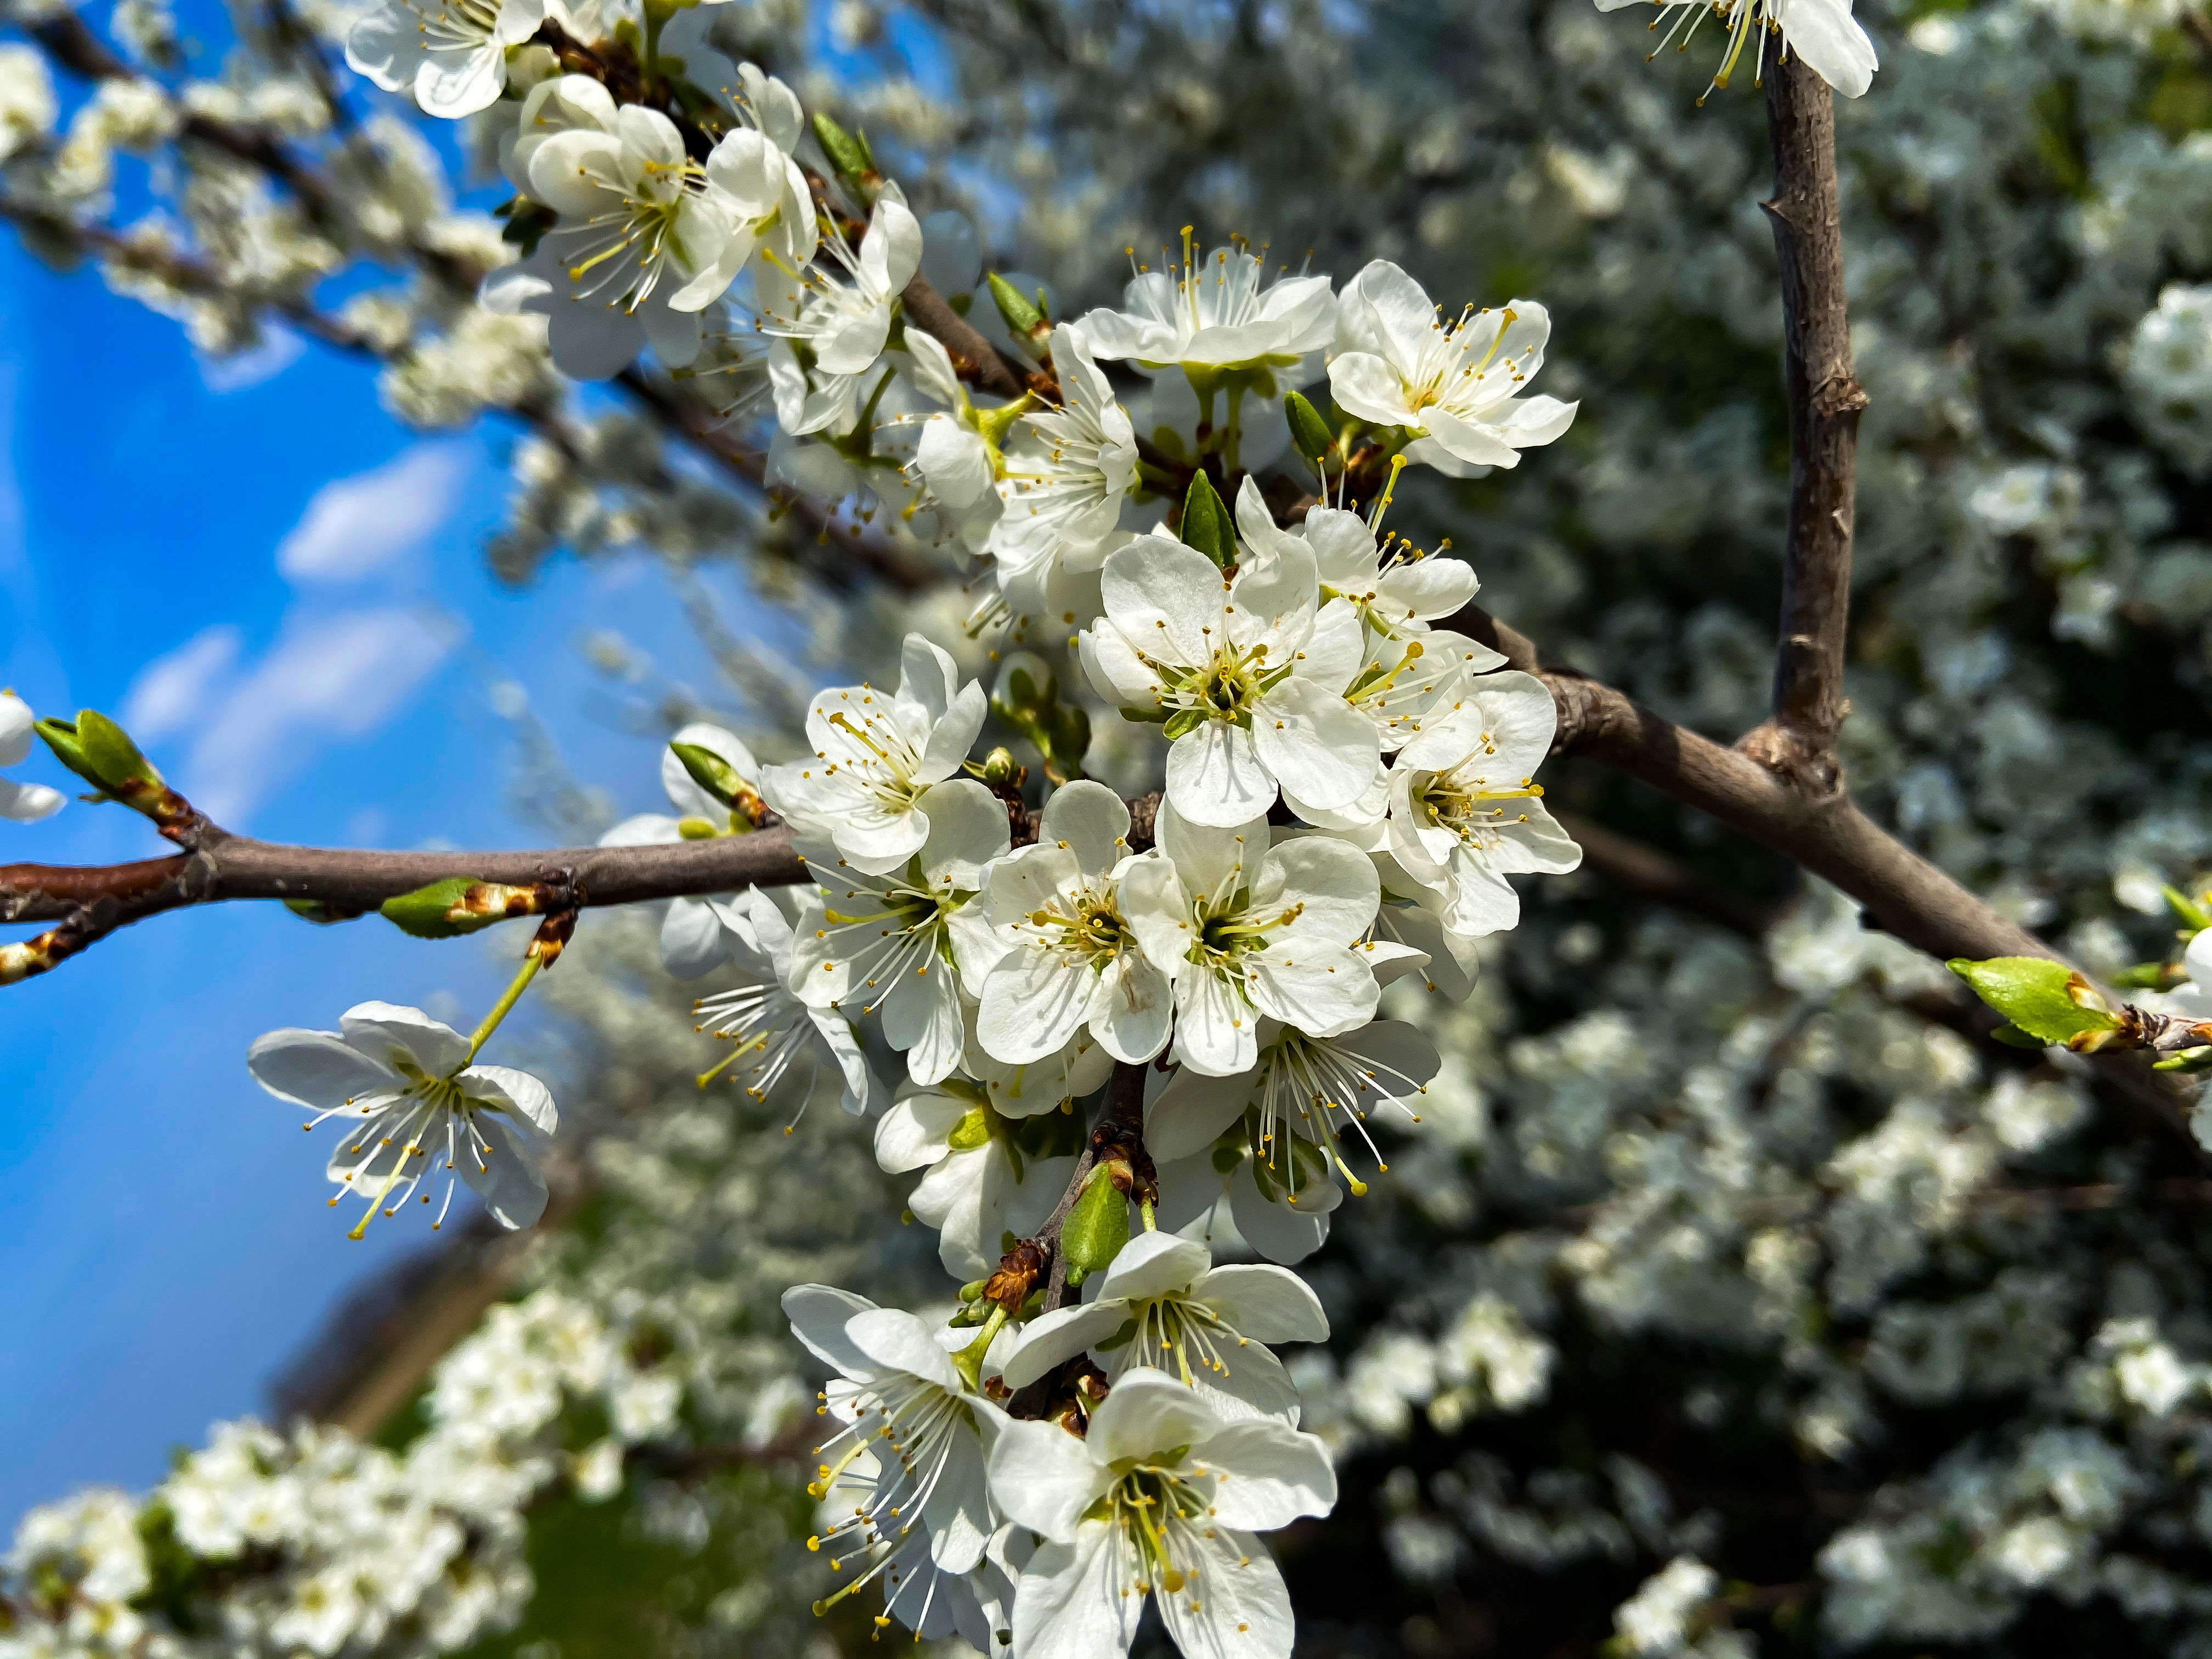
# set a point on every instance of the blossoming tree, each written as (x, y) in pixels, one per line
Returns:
(1145, 943)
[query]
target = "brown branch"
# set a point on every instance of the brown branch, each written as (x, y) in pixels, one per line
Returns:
(1798, 741)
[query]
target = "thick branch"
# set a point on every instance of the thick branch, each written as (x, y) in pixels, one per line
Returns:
(1799, 740)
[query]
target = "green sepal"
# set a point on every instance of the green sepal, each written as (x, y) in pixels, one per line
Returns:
(1310, 434)
(1182, 723)
(1096, 1228)
(1205, 524)
(972, 1131)
(1025, 319)
(455, 905)
(2191, 910)
(321, 913)
(2046, 1000)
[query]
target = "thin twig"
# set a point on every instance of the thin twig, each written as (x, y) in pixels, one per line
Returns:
(1798, 741)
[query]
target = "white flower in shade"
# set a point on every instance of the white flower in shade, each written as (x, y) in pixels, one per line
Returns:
(1410, 926)
(1465, 811)
(876, 756)
(912, 1448)
(1067, 474)
(1318, 1088)
(956, 460)
(1074, 963)
(1407, 678)
(411, 1102)
(451, 54)
(1247, 929)
(1278, 1201)
(830, 333)
(777, 1035)
(1215, 313)
(1456, 385)
(692, 939)
(903, 945)
(1821, 32)
(25, 803)
(1159, 1501)
(1163, 1304)
(1248, 679)
(990, 1175)
(2192, 1001)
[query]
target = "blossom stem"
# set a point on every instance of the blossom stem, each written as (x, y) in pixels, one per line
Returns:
(969, 1359)
(501, 1009)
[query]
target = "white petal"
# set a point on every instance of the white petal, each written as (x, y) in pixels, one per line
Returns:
(1187, 1117)
(1264, 1303)
(1154, 1411)
(508, 1180)
(1275, 1475)
(528, 1101)
(913, 1133)
(895, 1340)
(316, 1069)
(692, 941)
(387, 1032)
(16, 722)
(818, 1314)
(1053, 1338)
(1236, 1605)
(27, 803)
(1071, 1603)
(1152, 1264)
(1044, 1478)
(1833, 44)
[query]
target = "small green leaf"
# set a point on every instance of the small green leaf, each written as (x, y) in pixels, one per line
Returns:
(322, 914)
(61, 736)
(1206, 523)
(1025, 320)
(457, 905)
(2012, 1037)
(1096, 1228)
(2047, 999)
(1308, 431)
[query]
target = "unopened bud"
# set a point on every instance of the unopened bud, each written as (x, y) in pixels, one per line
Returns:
(2046, 1000)
(1309, 432)
(1000, 771)
(101, 752)
(457, 905)
(1097, 1227)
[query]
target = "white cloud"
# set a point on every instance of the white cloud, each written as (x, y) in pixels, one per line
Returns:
(354, 526)
(279, 349)
(336, 677)
(174, 690)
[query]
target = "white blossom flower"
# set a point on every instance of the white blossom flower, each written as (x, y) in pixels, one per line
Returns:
(1067, 473)
(27, 109)
(85, 1553)
(1464, 807)
(905, 945)
(1162, 1302)
(1396, 588)
(1215, 313)
(1278, 1198)
(1654, 1621)
(1457, 386)
(914, 1444)
(989, 1175)
(1246, 928)
(637, 252)
(1821, 32)
(1159, 1501)
(1074, 963)
(451, 54)
(830, 333)
(692, 940)
(1316, 1088)
(777, 1033)
(409, 1097)
(25, 803)
(877, 756)
(1248, 679)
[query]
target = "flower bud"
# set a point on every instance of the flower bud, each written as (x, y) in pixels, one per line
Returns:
(723, 781)
(2046, 1000)
(1001, 772)
(1205, 524)
(101, 752)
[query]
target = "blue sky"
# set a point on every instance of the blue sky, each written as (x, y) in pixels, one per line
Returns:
(319, 654)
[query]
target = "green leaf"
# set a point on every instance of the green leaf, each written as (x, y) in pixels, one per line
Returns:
(2012, 1037)
(1206, 523)
(115, 759)
(1024, 319)
(457, 905)
(1097, 1227)
(2047, 999)
(1309, 432)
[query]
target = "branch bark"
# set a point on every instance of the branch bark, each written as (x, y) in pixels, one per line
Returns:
(1798, 741)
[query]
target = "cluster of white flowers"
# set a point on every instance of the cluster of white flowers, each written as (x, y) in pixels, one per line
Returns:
(311, 1541)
